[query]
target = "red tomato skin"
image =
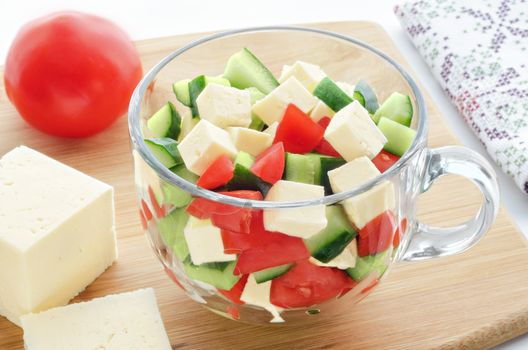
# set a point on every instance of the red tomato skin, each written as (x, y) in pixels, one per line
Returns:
(384, 160)
(71, 74)
(307, 284)
(376, 236)
(399, 233)
(298, 132)
(217, 174)
(146, 210)
(235, 292)
(269, 165)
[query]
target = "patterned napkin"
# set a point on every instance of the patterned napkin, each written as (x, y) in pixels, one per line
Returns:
(478, 51)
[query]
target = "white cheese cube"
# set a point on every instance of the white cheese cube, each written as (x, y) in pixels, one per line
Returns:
(205, 242)
(346, 87)
(251, 141)
(203, 145)
(224, 105)
(272, 130)
(272, 107)
(56, 232)
(115, 322)
(258, 294)
(301, 222)
(353, 133)
(321, 110)
(366, 206)
(308, 74)
(345, 260)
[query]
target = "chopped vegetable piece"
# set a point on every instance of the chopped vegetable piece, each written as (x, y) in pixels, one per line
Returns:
(165, 150)
(384, 160)
(181, 90)
(218, 174)
(369, 96)
(234, 293)
(298, 132)
(324, 147)
(397, 107)
(399, 137)
(334, 97)
(376, 236)
(165, 122)
(269, 165)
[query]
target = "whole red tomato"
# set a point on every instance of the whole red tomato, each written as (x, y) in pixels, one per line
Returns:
(71, 74)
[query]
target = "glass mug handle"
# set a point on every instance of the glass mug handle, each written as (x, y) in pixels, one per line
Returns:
(427, 242)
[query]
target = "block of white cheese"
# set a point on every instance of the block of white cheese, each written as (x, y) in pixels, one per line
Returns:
(301, 222)
(353, 134)
(205, 242)
(272, 107)
(272, 129)
(115, 322)
(258, 294)
(321, 110)
(203, 145)
(224, 105)
(345, 260)
(251, 141)
(56, 232)
(346, 87)
(308, 74)
(366, 206)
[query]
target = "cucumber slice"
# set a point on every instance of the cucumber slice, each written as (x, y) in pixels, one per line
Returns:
(399, 137)
(165, 150)
(165, 122)
(175, 195)
(327, 164)
(197, 85)
(328, 92)
(330, 242)
(171, 230)
(270, 273)
(370, 100)
(181, 90)
(245, 70)
(366, 264)
(256, 123)
(358, 96)
(243, 177)
(397, 107)
(219, 275)
(300, 168)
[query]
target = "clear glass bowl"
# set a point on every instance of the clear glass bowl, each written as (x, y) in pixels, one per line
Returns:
(343, 59)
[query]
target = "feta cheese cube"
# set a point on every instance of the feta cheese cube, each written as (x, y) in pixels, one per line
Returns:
(272, 130)
(345, 260)
(366, 206)
(205, 242)
(308, 74)
(203, 145)
(321, 110)
(353, 133)
(251, 141)
(346, 87)
(123, 321)
(272, 107)
(258, 294)
(301, 222)
(56, 232)
(224, 105)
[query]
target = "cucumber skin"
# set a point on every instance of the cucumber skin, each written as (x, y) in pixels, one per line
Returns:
(244, 179)
(299, 168)
(196, 86)
(271, 273)
(369, 96)
(397, 107)
(332, 249)
(327, 164)
(399, 137)
(170, 147)
(331, 94)
(175, 121)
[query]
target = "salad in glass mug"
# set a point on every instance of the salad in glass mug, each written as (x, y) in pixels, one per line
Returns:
(265, 198)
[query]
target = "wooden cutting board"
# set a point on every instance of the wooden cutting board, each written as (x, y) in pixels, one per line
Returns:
(471, 301)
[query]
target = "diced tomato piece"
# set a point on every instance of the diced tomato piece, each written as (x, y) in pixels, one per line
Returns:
(217, 174)
(225, 216)
(233, 311)
(146, 210)
(324, 147)
(269, 165)
(159, 210)
(144, 222)
(235, 292)
(234, 242)
(324, 122)
(307, 284)
(384, 160)
(173, 277)
(376, 236)
(399, 233)
(298, 132)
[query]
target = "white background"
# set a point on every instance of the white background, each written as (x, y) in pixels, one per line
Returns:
(154, 18)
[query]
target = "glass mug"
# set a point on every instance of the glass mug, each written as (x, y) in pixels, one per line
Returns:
(164, 195)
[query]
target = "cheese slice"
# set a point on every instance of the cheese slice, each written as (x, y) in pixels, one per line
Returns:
(308, 74)
(224, 105)
(251, 141)
(56, 232)
(258, 294)
(205, 242)
(116, 322)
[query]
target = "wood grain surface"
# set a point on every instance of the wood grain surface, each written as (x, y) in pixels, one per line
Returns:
(471, 301)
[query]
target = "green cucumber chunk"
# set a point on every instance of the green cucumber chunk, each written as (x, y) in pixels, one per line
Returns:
(245, 70)
(165, 122)
(171, 230)
(300, 168)
(330, 242)
(217, 80)
(370, 100)
(397, 107)
(256, 123)
(327, 164)
(181, 90)
(358, 96)
(399, 137)
(367, 264)
(328, 92)
(173, 194)
(218, 274)
(270, 273)
(165, 150)
(243, 177)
